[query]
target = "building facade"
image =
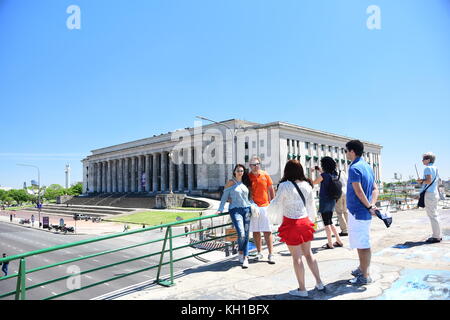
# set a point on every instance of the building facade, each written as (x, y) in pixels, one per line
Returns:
(200, 160)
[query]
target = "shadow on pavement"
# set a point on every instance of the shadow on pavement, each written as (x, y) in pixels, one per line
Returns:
(334, 289)
(410, 244)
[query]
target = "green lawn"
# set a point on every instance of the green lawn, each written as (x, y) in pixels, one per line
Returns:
(152, 218)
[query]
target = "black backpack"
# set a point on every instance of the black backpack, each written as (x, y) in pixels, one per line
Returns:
(335, 186)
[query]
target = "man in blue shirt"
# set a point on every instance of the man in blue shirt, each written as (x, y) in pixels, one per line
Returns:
(362, 194)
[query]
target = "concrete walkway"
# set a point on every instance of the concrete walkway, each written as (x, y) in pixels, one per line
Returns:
(403, 267)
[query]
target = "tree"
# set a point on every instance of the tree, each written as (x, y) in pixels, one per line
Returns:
(75, 190)
(53, 191)
(19, 195)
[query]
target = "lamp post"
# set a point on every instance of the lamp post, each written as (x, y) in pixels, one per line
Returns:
(39, 188)
(233, 133)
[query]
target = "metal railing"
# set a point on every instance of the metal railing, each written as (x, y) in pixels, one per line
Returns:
(167, 247)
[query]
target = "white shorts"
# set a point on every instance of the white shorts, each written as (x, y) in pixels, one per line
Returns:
(260, 224)
(358, 232)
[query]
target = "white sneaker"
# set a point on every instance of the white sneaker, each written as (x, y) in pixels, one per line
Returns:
(245, 263)
(298, 293)
(241, 258)
(271, 259)
(320, 287)
(259, 256)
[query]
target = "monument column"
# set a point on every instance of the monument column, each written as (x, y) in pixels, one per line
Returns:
(119, 176)
(108, 176)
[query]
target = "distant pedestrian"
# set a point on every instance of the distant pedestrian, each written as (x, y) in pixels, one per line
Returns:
(341, 206)
(143, 226)
(186, 230)
(327, 203)
(362, 194)
(262, 193)
(293, 207)
(430, 184)
(239, 209)
(161, 226)
(125, 228)
(5, 266)
(10, 217)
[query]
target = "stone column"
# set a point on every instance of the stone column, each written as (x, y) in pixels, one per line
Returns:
(133, 175)
(114, 176)
(126, 185)
(108, 176)
(163, 171)
(180, 171)
(99, 177)
(139, 174)
(190, 167)
(147, 173)
(155, 172)
(119, 175)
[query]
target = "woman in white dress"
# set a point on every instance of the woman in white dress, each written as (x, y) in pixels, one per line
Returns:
(293, 206)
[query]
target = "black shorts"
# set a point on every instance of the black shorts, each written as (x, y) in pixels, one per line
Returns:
(327, 218)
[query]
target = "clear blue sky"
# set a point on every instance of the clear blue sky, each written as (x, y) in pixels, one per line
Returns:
(139, 68)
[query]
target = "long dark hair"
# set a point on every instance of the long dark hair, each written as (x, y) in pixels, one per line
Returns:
(294, 171)
(245, 177)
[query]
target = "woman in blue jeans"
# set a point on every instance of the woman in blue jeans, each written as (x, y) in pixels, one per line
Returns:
(237, 190)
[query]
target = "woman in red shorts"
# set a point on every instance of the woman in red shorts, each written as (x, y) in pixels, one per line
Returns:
(292, 207)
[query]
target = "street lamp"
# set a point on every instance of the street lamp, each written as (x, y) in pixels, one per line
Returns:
(39, 188)
(233, 133)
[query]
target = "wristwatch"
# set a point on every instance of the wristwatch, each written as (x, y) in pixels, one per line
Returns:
(368, 208)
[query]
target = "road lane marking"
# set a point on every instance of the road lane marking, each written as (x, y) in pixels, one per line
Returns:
(89, 277)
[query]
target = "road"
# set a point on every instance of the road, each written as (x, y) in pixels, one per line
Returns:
(16, 239)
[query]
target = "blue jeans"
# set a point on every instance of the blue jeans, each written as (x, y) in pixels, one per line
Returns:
(241, 221)
(5, 269)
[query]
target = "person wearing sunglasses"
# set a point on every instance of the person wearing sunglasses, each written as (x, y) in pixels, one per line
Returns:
(362, 194)
(262, 193)
(430, 183)
(237, 190)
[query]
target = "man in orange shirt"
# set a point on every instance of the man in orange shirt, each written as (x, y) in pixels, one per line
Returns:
(262, 193)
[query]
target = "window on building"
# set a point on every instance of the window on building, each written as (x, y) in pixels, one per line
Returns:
(261, 143)
(336, 149)
(322, 147)
(307, 145)
(246, 145)
(246, 158)
(315, 146)
(329, 148)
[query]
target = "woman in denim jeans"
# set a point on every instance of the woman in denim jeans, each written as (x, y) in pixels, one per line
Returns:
(239, 209)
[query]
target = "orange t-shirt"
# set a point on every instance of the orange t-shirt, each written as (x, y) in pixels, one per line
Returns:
(260, 183)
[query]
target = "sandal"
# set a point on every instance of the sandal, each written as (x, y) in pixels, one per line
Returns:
(327, 246)
(336, 244)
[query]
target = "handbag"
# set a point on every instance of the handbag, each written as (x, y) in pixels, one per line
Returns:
(421, 202)
(386, 217)
(255, 210)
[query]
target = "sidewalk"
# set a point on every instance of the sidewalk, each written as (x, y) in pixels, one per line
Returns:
(403, 267)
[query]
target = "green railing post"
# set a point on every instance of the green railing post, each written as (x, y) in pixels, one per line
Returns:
(20, 288)
(165, 282)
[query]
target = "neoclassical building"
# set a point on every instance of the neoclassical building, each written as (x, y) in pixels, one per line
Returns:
(199, 160)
